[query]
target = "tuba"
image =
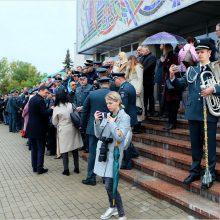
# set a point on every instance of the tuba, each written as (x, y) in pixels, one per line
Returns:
(209, 78)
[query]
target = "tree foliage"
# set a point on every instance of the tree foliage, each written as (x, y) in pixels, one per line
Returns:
(17, 74)
(67, 62)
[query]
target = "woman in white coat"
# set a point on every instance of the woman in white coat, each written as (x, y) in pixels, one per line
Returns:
(68, 137)
(115, 126)
(134, 75)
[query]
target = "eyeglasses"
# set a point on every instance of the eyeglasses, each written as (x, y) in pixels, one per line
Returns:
(73, 85)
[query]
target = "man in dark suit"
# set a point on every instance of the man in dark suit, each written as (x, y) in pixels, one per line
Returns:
(148, 60)
(194, 110)
(37, 129)
(95, 101)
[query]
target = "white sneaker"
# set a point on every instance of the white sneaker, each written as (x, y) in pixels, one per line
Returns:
(109, 213)
(123, 218)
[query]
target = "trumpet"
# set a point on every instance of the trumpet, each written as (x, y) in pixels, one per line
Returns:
(213, 102)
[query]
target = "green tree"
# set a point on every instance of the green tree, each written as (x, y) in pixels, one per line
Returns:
(67, 62)
(17, 74)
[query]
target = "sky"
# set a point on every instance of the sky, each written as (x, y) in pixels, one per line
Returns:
(38, 32)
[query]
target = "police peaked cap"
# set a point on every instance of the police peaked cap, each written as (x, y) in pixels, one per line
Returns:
(97, 62)
(88, 64)
(12, 91)
(104, 79)
(83, 75)
(101, 70)
(106, 66)
(118, 74)
(76, 73)
(205, 43)
(89, 61)
(58, 79)
(31, 91)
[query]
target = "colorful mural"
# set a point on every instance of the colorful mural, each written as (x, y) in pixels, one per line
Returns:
(100, 20)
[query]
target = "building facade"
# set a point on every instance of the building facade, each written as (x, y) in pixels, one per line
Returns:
(106, 27)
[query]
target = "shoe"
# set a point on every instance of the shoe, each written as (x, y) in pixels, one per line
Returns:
(76, 170)
(42, 171)
(207, 186)
(109, 213)
(66, 172)
(58, 157)
(34, 170)
(122, 218)
(89, 182)
(191, 179)
(82, 148)
(169, 127)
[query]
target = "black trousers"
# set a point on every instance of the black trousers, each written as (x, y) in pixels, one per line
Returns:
(149, 98)
(197, 140)
(37, 153)
(66, 159)
(172, 108)
(51, 140)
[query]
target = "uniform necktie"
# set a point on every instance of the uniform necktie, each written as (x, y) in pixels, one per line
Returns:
(202, 69)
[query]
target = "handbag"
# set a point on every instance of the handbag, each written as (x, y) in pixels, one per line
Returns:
(139, 109)
(75, 118)
(188, 59)
(169, 85)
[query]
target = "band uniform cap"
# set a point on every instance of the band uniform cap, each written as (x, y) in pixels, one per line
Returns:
(107, 66)
(97, 62)
(117, 74)
(104, 80)
(101, 70)
(205, 43)
(89, 61)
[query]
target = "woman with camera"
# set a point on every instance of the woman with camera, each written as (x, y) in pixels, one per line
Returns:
(109, 129)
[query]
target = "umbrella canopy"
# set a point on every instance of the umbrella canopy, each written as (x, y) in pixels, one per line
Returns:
(164, 38)
(116, 155)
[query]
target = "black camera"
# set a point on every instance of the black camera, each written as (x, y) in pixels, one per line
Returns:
(104, 148)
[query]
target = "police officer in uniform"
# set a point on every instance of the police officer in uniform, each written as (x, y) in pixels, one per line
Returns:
(13, 108)
(82, 92)
(91, 71)
(94, 102)
(59, 86)
(194, 110)
(128, 95)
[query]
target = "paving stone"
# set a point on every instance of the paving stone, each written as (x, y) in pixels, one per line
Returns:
(26, 195)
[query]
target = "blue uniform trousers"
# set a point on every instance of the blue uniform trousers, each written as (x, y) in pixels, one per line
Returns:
(12, 122)
(91, 160)
(197, 140)
(37, 153)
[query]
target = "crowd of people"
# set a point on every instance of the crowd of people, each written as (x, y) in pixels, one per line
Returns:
(112, 98)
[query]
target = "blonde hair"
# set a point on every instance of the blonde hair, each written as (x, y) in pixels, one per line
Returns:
(115, 97)
(123, 56)
(132, 68)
